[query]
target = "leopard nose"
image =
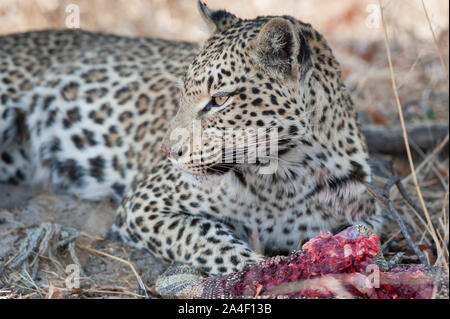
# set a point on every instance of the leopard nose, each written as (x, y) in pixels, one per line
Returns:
(166, 150)
(171, 152)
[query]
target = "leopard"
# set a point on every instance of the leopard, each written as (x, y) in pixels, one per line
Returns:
(217, 154)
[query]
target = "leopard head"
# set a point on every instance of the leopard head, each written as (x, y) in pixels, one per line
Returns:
(265, 97)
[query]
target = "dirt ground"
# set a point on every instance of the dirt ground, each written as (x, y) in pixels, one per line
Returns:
(23, 208)
(113, 270)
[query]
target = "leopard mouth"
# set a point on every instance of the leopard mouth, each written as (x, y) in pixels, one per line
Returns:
(216, 165)
(204, 170)
(220, 169)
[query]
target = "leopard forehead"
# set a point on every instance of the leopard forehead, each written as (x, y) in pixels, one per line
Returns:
(227, 64)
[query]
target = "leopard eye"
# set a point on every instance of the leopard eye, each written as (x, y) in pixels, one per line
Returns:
(219, 100)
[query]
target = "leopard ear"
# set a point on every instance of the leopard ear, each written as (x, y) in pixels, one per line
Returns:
(281, 49)
(216, 20)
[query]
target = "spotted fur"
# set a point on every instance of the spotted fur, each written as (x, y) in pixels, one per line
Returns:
(87, 114)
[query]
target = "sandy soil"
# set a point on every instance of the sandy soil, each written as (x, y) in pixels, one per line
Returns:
(23, 208)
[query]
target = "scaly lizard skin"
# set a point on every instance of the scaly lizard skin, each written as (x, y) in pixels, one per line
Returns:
(183, 281)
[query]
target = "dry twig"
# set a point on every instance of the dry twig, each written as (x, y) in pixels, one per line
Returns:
(138, 278)
(385, 200)
(405, 136)
(444, 67)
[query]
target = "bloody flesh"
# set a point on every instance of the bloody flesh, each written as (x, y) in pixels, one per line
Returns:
(331, 266)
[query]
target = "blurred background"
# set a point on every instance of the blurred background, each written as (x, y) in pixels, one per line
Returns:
(178, 19)
(351, 27)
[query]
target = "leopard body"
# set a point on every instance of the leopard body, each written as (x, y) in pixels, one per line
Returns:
(87, 114)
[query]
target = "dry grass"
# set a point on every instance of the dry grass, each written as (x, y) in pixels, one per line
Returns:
(431, 228)
(128, 263)
(120, 278)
